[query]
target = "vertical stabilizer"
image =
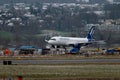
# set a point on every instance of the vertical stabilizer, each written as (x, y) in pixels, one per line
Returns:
(90, 34)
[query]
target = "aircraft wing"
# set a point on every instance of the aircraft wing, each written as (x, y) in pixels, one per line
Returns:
(84, 44)
(99, 42)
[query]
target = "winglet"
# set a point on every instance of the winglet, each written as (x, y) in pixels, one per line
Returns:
(46, 38)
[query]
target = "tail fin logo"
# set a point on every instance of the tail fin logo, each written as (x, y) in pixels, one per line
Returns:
(90, 34)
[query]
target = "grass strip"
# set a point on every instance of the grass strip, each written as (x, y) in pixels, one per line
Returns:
(61, 71)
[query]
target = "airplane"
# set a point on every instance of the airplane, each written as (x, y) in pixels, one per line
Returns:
(75, 42)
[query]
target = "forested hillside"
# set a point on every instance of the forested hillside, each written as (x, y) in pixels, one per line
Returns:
(33, 1)
(26, 23)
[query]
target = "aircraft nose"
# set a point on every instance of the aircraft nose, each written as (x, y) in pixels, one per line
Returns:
(49, 41)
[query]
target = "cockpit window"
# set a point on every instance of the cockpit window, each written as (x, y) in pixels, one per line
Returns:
(53, 39)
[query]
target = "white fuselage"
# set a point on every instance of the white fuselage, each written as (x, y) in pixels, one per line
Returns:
(67, 40)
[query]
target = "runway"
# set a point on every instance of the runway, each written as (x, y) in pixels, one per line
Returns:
(80, 61)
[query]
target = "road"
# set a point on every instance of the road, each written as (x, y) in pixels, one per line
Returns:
(17, 62)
